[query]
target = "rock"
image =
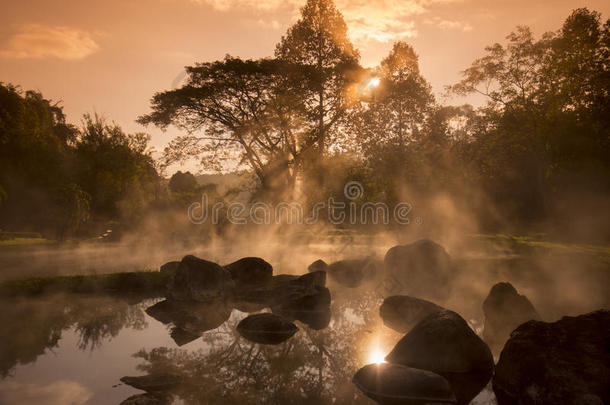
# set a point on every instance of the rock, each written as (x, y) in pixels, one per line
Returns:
(443, 343)
(153, 382)
(312, 309)
(169, 267)
(266, 328)
(191, 319)
(351, 273)
(283, 288)
(402, 313)
(318, 265)
(199, 280)
(421, 269)
(149, 398)
(504, 310)
(182, 337)
(250, 271)
(391, 384)
(565, 362)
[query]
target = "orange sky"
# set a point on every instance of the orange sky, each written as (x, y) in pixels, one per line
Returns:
(111, 56)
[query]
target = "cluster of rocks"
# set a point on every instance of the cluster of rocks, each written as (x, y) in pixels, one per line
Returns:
(201, 295)
(440, 359)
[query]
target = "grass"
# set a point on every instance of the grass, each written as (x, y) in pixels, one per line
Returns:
(536, 242)
(148, 283)
(26, 242)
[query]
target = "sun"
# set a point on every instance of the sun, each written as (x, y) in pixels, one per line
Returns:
(376, 356)
(374, 82)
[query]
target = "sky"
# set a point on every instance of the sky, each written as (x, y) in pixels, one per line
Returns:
(111, 56)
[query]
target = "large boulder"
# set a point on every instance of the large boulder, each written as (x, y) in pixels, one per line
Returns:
(504, 310)
(565, 362)
(422, 269)
(443, 343)
(199, 280)
(266, 328)
(402, 313)
(250, 271)
(391, 384)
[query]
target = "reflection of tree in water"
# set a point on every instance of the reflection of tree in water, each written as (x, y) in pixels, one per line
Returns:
(33, 325)
(312, 367)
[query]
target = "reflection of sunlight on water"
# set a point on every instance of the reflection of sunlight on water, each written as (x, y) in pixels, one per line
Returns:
(375, 355)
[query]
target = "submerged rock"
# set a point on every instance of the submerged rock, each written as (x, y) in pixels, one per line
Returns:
(199, 280)
(169, 267)
(422, 269)
(318, 265)
(312, 309)
(565, 362)
(250, 271)
(149, 398)
(504, 310)
(351, 273)
(153, 382)
(191, 319)
(391, 384)
(266, 328)
(402, 313)
(443, 343)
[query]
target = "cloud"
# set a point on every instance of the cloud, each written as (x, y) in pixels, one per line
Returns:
(367, 20)
(449, 24)
(35, 41)
(56, 393)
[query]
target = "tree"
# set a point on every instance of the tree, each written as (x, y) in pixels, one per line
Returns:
(319, 45)
(547, 114)
(245, 111)
(113, 166)
(182, 182)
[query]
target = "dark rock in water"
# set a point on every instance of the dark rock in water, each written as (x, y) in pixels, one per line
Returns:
(182, 337)
(153, 382)
(466, 386)
(191, 319)
(421, 269)
(266, 328)
(247, 306)
(169, 267)
(312, 309)
(318, 265)
(392, 384)
(199, 280)
(402, 313)
(565, 362)
(283, 288)
(505, 309)
(250, 271)
(351, 273)
(443, 343)
(149, 398)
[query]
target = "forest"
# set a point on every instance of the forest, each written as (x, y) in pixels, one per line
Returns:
(299, 125)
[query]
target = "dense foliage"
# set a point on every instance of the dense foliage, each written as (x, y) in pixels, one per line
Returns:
(55, 177)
